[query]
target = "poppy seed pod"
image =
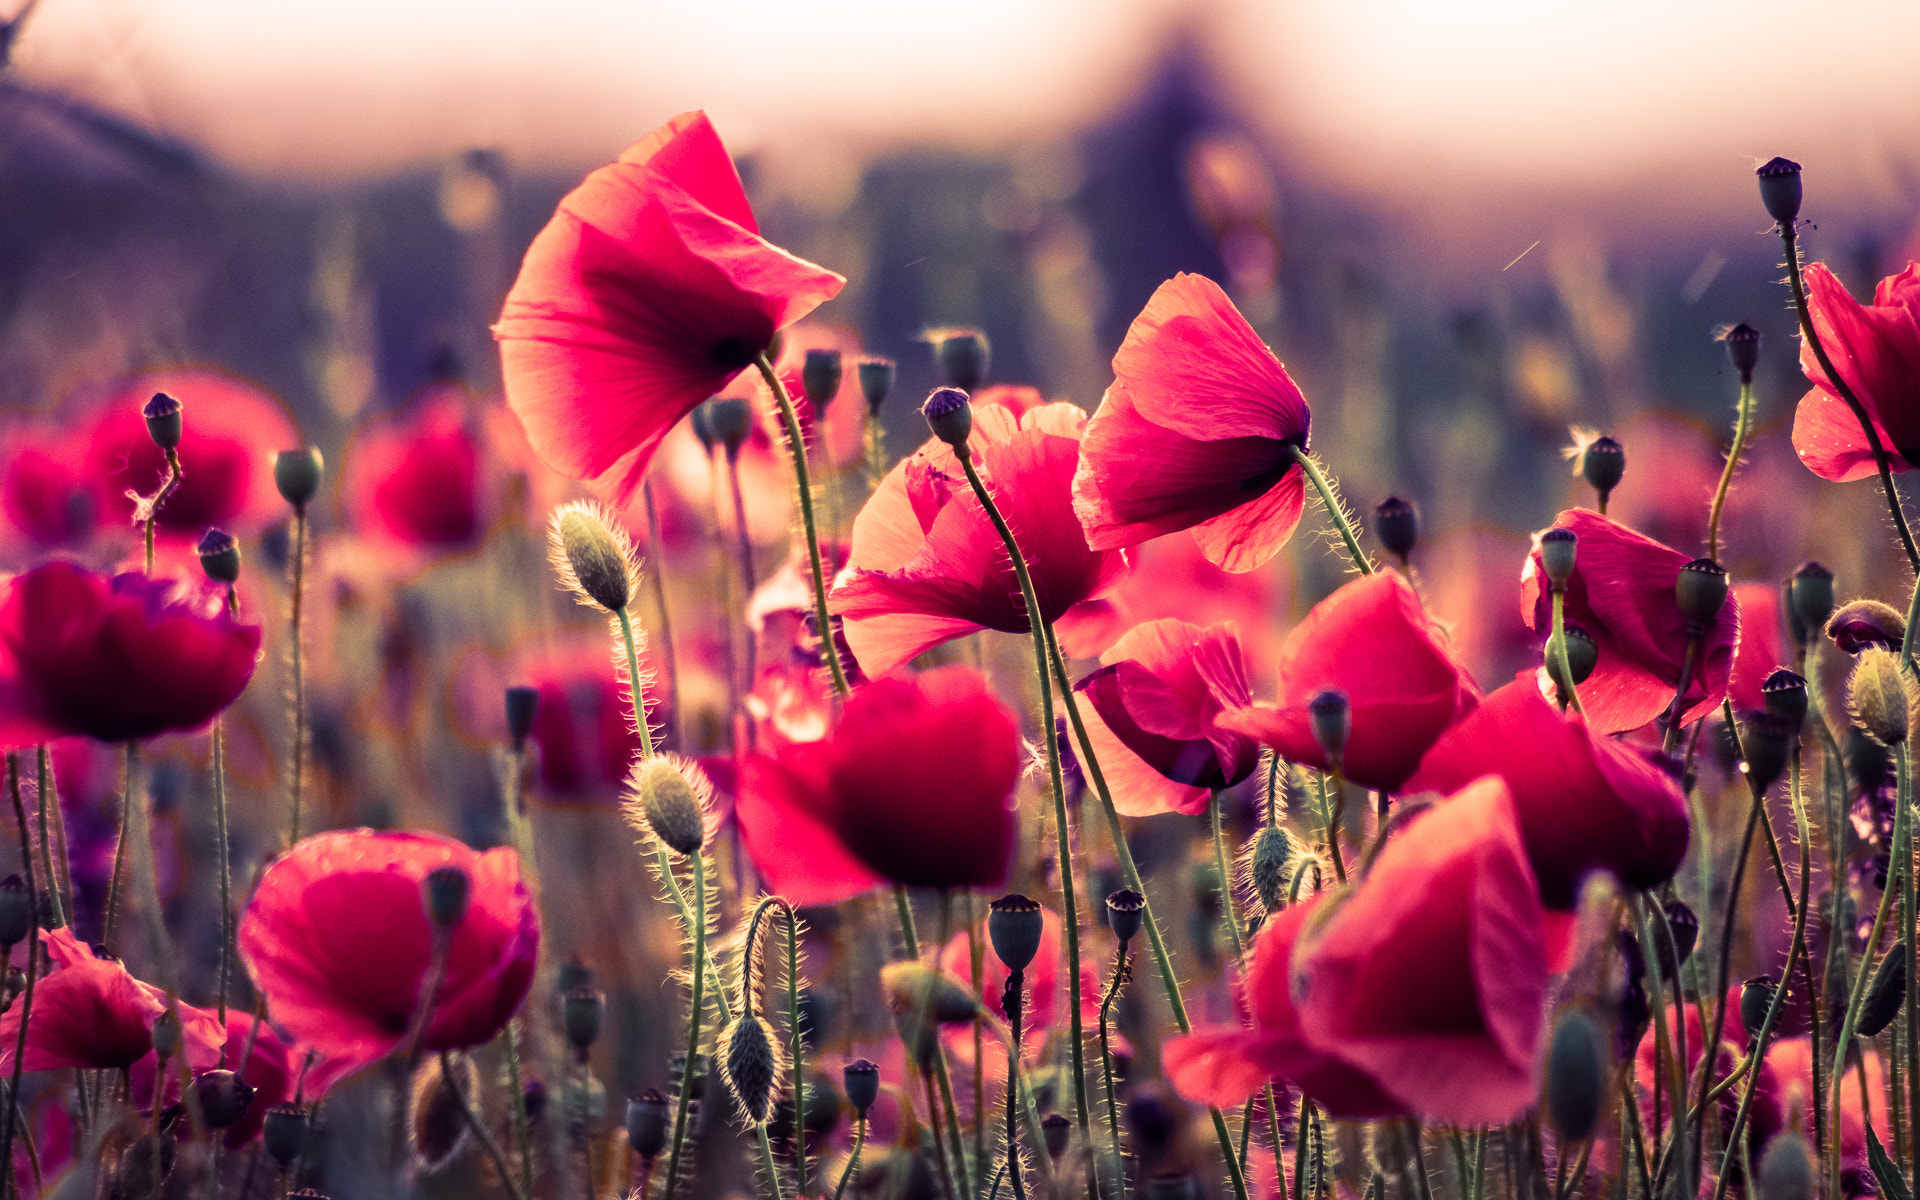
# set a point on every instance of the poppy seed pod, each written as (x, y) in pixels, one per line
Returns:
(1583, 655)
(1057, 1132)
(523, 703)
(1267, 864)
(1780, 189)
(1768, 742)
(950, 415)
(1332, 717)
(16, 911)
(219, 556)
(1397, 524)
(1884, 994)
(1809, 600)
(224, 1097)
(167, 1034)
(861, 1080)
(285, 1133)
(297, 474)
(1575, 1085)
(751, 1062)
(876, 381)
(702, 419)
(1786, 1170)
(446, 890)
(1701, 592)
(1559, 548)
(732, 421)
(1014, 923)
(1603, 464)
(593, 558)
(1864, 623)
(1785, 695)
(1685, 927)
(820, 376)
(1756, 996)
(962, 356)
(649, 1120)
(668, 796)
(1879, 695)
(581, 1011)
(163, 420)
(1743, 347)
(1125, 909)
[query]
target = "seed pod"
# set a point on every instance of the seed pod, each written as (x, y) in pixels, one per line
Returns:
(649, 1120)
(581, 1011)
(876, 381)
(1884, 994)
(732, 420)
(861, 1078)
(446, 890)
(1769, 744)
(167, 1034)
(1756, 996)
(751, 1061)
(962, 356)
(1809, 600)
(591, 555)
(1583, 655)
(285, 1133)
(297, 474)
(703, 426)
(1576, 1079)
(1603, 464)
(1785, 695)
(1125, 908)
(668, 796)
(219, 556)
(1397, 524)
(1780, 193)
(224, 1097)
(1743, 349)
(163, 420)
(950, 415)
(1559, 549)
(1014, 923)
(1879, 695)
(16, 911)
(820, 376)
(523, 704)
(1685, 927)
(1700, 591)
(1332, 718)
(1058, 1134)
(1272, 849)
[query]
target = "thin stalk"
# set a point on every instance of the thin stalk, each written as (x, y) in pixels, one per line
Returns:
(1674, 711)
(226, 867)
(1743, 421)
(1015, 1004)
(152, 506)
(853, 1161)
(658, 577)
(876, 452)
(1226, 880)
(1335, 512)
(793, 1037)
(1676, 1070)
(1106, 1052)
(743, 553)
(1331, 810)
(129, 782)
(46, 797)
(766, 1158)
(1907, 924)
(1572, 693)
(1302, 1134)
(51, 790)
(799, 448)
(694, 1014)
(297, 700)
(910, 935)
(481, 1133)
(1273, 1135)
(33, 973)
(522, 1134)
(642, 725)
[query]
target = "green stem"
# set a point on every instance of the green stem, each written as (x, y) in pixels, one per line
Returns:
(793, 1039)
(828, 646)
(1331, 810)
(33, 972)
(1676, 1070)
(1335, 512)
(694, 1019)
(226, 867)
(60, 869)
(853, 1161)
(1743, 420)
(766, 1157)
(1106, 1052)
(658, 577)
(297, 698)
(642, 725)
(1559, 644)
(129, 782)
(522, 1134)
(910, 935)
(46, 799)
(479, 1128)
(1226, 880)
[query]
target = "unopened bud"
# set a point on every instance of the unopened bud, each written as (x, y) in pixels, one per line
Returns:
(219, 556)
(1558, 550)
(1014, 923)
(1865, 623)
(1701, 592)
(1576, 1079)
(1272, 850)
(732, 419)
(1332, 718)
(593, 558)
(167, 1034)
(747, 1051)
(950, 415)
(297, 474)
(649, 1121)
(1809, 600)
(224, 1097)
(1603, 463)
(446, 890)
(916, 987)
(668, 796)
(1397, 524)
(1057, 1131)
(1780, 189)
(1879, 695)
(1884, 994)
(861, 1079)
(163, 420)
(523, 703)
(581, 1011)
(876, 382)
(820, 377)
(1743, 347)
(16, 911)
(962, 356)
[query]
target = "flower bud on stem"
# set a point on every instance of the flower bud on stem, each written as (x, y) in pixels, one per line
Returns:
(798, 447)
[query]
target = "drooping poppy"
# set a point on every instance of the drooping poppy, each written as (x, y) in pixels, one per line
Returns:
(911, 787)
(1876, 349)
(90, 1012)
(1371, 640)
(119, 657)
(1622, 595)
(414, 483)
(648, 291)
(927, 563)
(1197, 432)
(337, 937)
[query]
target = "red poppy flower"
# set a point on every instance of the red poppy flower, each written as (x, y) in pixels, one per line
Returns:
(46, 494)
(230, 434)
(1170, 577)
(270, 1071)
(1763, 645)
(1432, 976)
(1159, 692)
(414, 483)
(649, 290)
(90, 1012)
(1371, 640)
(1876, 349)
(1621, 594)
(122, 657)
(1584, 803)
(337, 937)
(927, 564)
(911, 787)
(1197, 432)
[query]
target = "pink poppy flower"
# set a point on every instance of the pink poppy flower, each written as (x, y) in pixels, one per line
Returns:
(90, 1012)
(270, 1071)
(1622, 595)
(648, 291)
(1876, 349)
(1371, 640)
(413, 483)
(1763, 645)
(1197, 432)
(46, 494)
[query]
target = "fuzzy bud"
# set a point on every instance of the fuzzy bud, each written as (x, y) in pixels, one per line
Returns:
(1756, 996)
(1866, 623)
(16, 911)
(820, 376)
(1576, 1078)
(1332, 717)
(668, 797)
(1558, 550)
(436, 1115)
(747, 1052)
(1809, 600)
(1014, 923)
(1272, 849)
(861, 1079)
(1701, 592)
(876, 381)
(224, 1097)
(581, 1011)
(1780, 192)
(446, 890)
(1879, 695)
(1743, 347)
(592, 557)
(732, 419)
(1884, 994)
(1786, 1170)
(950, 415)
(962, 356)
(163, 420)
(523, 703)
(285, 1132)
(649, 1121)
(219, 556)
(297, 474)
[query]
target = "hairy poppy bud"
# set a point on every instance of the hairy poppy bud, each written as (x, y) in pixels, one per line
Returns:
(1780, 189)
(1058, 1134)
(1332, 717)
(913, 986)
(1558, 550)
(581, 1011)
(522, 704)
(1884, 994)
(820, 376)
(16, 911)
(224, 1097)
(1014, 924)
(1785, 695)
(1879, 695)
(1685, 927)
(751, 1062)
(668, 796)
(446, 890)
(876, 381)
(163, 420)
(1576, 1079)
(649, 1120)
(1865, 623)
(167, 1034)
(297, 474)
(1701, 592)
(732, 420)
(962, 356)
(1268, 865)
(436, 1114)
(1756, 996)
(219, 556)
(950, 415)
(1786, 1171)
(1603, 463)
(285, 1133)
(1809, 600)
(593, 558)
(1397, 524)
(861, 1079)
(1743, 347)
(703, 426)
(1125, 909)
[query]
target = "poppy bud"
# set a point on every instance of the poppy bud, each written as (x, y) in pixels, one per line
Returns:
(1332, 718)
(1125, 909)
(861, 1078)
(1756, 996)
(915, 987)
(1701, 592)
(446, 890)
(1014, 924)
(1785, 1171)
(1602, 464)
(224, 1097)
(949, 415)
(1743, 347)
(732, 420)
(962, 356)
(1865, 623)
(1884, 994)
(703, 426)
(522, 704)
(580, 1013)
(16, 911)
(1558, 549)
(436, 1115)
(1780, 191)
(219, 556)
(820, 376)
(1809, 600)
(593, 559)
(163, 420)
(1397, 524)
(876, 381)
(1268, 865)
(1685, 927)
(1768, 744)
(751, 1062)
(1879, 695)
(665, 798)
(1576, 1080)
(649, 1120)
(1785, 695)
(167, 1034)
(297, 474)
(1057, 1131)
(285, 1133)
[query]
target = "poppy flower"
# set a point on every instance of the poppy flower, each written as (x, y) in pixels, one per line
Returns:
(337, 937)
(1584, 802)
(648, 291)
(1371, 640)
(911, 787)
(1762, 647)
(230, 433)
(121, 657)
(927, 564)
(270, 1071)
(1197, 432)
(90, 1012)
(1159, 691)
(46, 493)
(1876, 349)
(414, 483)
(1622, 595)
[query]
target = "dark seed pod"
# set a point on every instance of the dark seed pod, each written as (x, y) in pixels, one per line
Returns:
(1397, 524)
(1780, 192)
(1583, 655)
(224, 1097)
(1743, 348)
(1576, 1079)
(649, 1121)
(1884, 994)
(1685, 927)
(285, 1133)
(446, 891)
(16, 911)
(581, 1011)
(1332, 717)
(1769, 745)
(963, 356)
(1058, 1132)
(703, 426)
(1603, 464)
(1785, 695)
(1809, 600)
(1014, 923)
(1701, 592)
(523, 703)
(163, 420)
(949, 414)
(297, 474)
(876, 381)
(732, 420)
(1125, 909)
(1559, 550)
(1756, 996)
(219, 556)
(861, 1078)
(820, 376)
